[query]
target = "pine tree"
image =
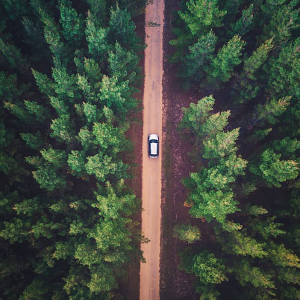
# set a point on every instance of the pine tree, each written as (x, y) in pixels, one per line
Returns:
(86, 139)
(47, 177)
(91, 112)
(245, 273)
(284, 72)
(14, 57)
(195, 115)
(213, 205)
(116, 95)
(227, 58)
(115, 202)
(40, 112)
(76, 161)
(243, 25)
(272, 170)
(122, 29)
(45, 85)
(98, 10)
(97, 39)
(55, 157)
(123, 64)
(206, 266)
(34, 141)
(66, 85)
(202, 15)
(103, 166)
(283, 21)
(72, 23)
(223, 143)
(187, 233)
(240, 243)
(109, 137)
(201, 55)
(51, 33)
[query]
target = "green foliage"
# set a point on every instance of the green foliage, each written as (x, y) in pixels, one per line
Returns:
(91, 112)
(283, 20)
(242, 244)
(86, 138)
(55, 157)
(202, 15)
(272, 170)
(9, 86)
(72, 23)
(98, 9)
(62, 129)
(194, 116)
(59, 105)
(283, 257)
(123, 64)
(115, 95)
(65, 84)
(242, 26)
(206, 266)
(115, 202)
(200, 56)
(257, 59)
(287, 147)
(213, 205)
(187, 233)
(252, 208)
(13, 56)
(245, 273)
(51, 32)
(122, 29)
(223, 64)
(65, 220)
(223, 143)
(267, 228)
(97, 39)
(47, 177)
(109, 137)
(284, 71)
(41, 113)
(102, 166)
(270, 111)
(45, 85)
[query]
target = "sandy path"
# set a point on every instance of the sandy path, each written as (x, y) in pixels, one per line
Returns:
(151, 174)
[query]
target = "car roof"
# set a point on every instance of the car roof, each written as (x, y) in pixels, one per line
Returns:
(153, 148)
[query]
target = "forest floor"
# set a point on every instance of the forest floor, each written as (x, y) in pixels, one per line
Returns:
(175, 284)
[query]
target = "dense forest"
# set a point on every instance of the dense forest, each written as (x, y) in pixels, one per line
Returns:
(244, 57)
(69, 72)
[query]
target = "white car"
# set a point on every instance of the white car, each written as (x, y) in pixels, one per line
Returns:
(153, 145)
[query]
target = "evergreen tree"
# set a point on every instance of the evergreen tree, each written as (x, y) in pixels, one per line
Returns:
(272, 170)
(242, 26)
(227, 58)
(72, 23)
(97, 39)
(122, 29)
(201, 55)
(202, 15)
(187, 233)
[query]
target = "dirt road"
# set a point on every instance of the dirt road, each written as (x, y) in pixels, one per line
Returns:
(151, 174)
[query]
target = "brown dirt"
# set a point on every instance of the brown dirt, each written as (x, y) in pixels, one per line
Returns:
(151, 170)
